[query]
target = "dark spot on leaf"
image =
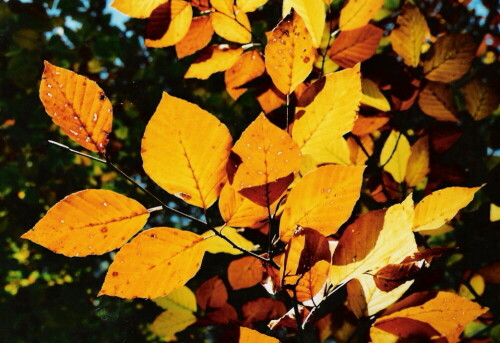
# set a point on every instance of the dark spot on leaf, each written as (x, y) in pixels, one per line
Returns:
(306, 59)
(104, 229)
(102, 96)
(114, 274)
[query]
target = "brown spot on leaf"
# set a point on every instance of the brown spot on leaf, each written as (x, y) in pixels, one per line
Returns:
(114, 274)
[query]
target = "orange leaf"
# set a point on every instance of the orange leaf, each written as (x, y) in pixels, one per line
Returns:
(312, 284)
(249, 66)
(357, 13)
(230, 22)
(154, 263)
(355, 46)
(168, 24)
(269, 158)
(323, 200)
(77, 105)
(238, 211)
(367, 125)
(262, 309)
(222, 315)
(408, 36)
(356, 298)
(213, 59)
(251, 336)
(136, 9)
(289, 53)
(250, 5)
(445, 312)
(198, 36)
(312, 12)
(449, 58)
(185, 150)
(211, 293)
(418, 163)
(359, 155)
(480, 99)
(89, 222)
(245, 272)
(436, 100)
(271, 98)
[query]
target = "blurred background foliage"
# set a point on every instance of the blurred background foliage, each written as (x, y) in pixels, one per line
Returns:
(45, 297)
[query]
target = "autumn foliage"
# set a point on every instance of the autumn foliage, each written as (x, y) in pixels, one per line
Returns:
(327, 198)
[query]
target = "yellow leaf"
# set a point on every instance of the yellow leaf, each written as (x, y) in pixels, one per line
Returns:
(249, 66)
(449, 58)
(436, 100)
(268, 155)
(357, 13)
(355, 46)
(477, 283)
(167, 258)
(198, 36)
(441, 206)
(313, 13)
(89, 222)
(322, 200)
(77, 105)
(480, 99)
(137, 9)
(171, 322)
(494, 213)
(185, 151)
(181, 297)
(249, 5)
(337, 152)
(372, 96)
(230, 22)
(289, 53)
(408, 36)
(251, 336)
(360, 155)
(213, 59)
(238, 211)
(168, 24)
(245, 272)
(374, 240)
(418, 163)
(395, 155)
(332, 112)
(380, 336)
(217, 244)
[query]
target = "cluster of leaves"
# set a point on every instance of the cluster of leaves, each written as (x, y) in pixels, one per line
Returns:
(289, 193)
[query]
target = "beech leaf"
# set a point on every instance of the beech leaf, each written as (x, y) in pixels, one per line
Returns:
(249, 66)
(230, 22)
(480, 99)
(245, 272)
(436, 101)
(213, 59)
(357, 13)
(251, 336)
(198, 36)
(137, 9)
(395, 155)
(313, 13)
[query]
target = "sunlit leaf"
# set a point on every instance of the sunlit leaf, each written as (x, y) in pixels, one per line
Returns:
(269, 158)
(360, 151)
(418, 163)
(372, 96)
(322, 199)
(480, 99)
(198, 36)
(171, 322)
(311, 285)
(137, 9)
(89, 222)
(213, 59)
(77, 105)
(289, 53)
(248, 66)
(313, 13)
(182, 297)
(477, 283)
(331, 113)
(168, 24)
(167, 258)
(449, 58)
(230, 22)
(367, 125)
(441, 206)
(436, 101)
(215, 244)
(250, 5)
(337, 151)
(271, 98)
(211, 294)
(251, 336)
(185, 150)
(446, 313)
(355, 46)
(357, 13)
(245, 272)
(395, 155)
(408, 36)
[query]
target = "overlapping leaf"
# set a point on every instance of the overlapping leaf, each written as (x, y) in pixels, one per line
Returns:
(357, 13)
(230, 22)
(312, 12)
(137, 9)
(89, 222)
(395, 155)
(418, 163)
(372, 96)
(248, 66)
(167, 258)
(185, 150)
(216, 244)
(213, 59)
(198, 36)
(250, 336)
(77, 105)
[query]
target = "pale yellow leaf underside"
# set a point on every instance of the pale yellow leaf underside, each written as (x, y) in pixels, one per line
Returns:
(171, 322)
(373, 97)
(137, 9)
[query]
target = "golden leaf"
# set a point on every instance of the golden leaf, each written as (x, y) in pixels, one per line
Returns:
(289, 53)
(441, 206)
(436, 100)
(168, 24)
(418, 163)
(230, 22)
(167, 258)
(367, 125)
(322, 200)
(480, 99)
(137, 9)
(181, 297)
(408, 36)
(249, 5)
(213, 59)
(372, 96)
(216, 244)
(89, 222)
(357, 13)
(245, 272)
(313, 13)
(449, 58)
(77, 105)
(395, 155)
(249, 66)
(185, 151)
(171, 322)
(251, 336)
(311, 285)
(198, 36)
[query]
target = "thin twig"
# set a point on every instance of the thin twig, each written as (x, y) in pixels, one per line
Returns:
(393, 151)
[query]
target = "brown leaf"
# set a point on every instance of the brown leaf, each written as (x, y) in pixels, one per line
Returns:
(262, 309)
(245, 272)
(356, 298)
(436, 101)
(211, 294)
(480, 99)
